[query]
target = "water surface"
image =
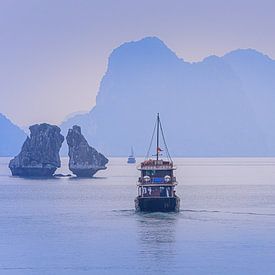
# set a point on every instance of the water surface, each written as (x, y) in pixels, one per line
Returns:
(88, 226)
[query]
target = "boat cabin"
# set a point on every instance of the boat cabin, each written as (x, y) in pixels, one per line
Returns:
(157, 179)
(155, 191)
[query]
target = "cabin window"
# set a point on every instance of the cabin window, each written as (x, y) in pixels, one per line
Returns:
(159, 191)
(149, 173)
(163, 173)
(139, 191)
(157, 173)
(165, 191)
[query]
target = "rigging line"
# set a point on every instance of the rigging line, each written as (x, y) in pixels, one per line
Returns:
(151, 142)
(166, 148)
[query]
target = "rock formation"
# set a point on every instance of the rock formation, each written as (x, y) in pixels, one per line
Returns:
(85, 161)
(39, 156)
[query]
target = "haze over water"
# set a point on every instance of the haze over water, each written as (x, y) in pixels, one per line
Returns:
(88, 226)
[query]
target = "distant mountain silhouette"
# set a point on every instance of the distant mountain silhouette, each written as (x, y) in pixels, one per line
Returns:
(257, 74)
(11, 137)
(221, 106)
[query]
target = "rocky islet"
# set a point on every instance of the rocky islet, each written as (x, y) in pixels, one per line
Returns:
(39, 156)
(84, 161)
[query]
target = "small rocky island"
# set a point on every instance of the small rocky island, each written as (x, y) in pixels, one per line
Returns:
(84, 161)
(39, 156)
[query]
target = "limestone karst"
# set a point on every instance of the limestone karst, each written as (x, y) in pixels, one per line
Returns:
(39, 156)
(84, 161)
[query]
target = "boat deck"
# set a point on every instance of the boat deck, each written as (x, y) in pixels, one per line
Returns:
(157, 184)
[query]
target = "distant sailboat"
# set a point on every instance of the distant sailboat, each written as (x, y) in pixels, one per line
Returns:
(131, 158)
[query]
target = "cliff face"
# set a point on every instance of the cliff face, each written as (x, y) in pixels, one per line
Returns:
(84, 161)
(207, 108)
(39, 156)
(11, 138)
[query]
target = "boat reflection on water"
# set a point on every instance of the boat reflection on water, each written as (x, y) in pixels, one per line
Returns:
(157, 240)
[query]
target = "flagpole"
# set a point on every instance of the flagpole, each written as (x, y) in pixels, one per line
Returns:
(157, 137)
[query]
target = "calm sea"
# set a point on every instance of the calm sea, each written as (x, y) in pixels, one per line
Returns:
(88, 226)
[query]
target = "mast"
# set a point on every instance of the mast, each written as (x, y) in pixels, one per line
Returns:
(157, 137)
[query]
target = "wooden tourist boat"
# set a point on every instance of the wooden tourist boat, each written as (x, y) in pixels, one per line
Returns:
(156, 185)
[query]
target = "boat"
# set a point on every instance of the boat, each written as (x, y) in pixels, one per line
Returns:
(156, 184)
(131, 158)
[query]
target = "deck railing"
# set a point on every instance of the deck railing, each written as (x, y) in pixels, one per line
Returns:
(153, 164)
(160, 180)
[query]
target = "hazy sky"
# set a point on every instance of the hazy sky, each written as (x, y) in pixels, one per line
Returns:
(54, 52)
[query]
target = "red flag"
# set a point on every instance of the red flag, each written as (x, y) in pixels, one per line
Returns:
(159, 149)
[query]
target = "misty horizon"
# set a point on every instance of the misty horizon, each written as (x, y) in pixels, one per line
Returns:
(226, 101)
(69, 115)
(54, 54)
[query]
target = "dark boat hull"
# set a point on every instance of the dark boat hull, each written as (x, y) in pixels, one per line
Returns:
(157, 204)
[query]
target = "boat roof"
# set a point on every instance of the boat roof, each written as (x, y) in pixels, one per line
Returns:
(153, 164)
